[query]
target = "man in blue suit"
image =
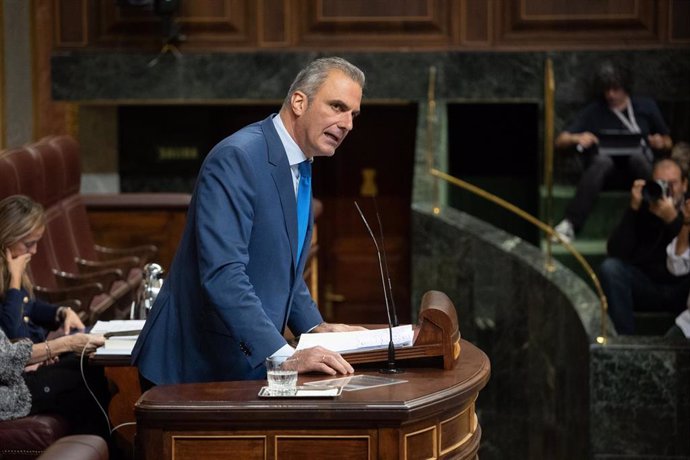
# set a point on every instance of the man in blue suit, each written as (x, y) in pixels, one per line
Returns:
(236, 280)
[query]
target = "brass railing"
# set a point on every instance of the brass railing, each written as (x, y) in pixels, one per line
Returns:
(548, 171)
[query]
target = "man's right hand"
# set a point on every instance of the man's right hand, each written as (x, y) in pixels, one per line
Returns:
(636, 194)
(664, 209)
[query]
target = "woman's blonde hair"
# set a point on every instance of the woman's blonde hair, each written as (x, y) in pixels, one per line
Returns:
(19, 217)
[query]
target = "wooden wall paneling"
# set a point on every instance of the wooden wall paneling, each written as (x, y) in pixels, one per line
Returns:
(71, 23)
(219, 22)
(373, 23)
(272, 23)
(116, 27)
(121, 229)
(50, 117)
(205, 24)
(476, 22)
(679, 21)
(610, 23)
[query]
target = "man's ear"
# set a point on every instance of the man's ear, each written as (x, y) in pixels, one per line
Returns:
(299, 102)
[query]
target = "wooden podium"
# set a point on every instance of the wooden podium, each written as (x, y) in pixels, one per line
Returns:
(429, 415)
(437, 336)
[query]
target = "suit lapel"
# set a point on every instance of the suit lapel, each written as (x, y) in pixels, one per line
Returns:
(282, 177)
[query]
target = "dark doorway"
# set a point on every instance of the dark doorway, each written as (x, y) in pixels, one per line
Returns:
(495, 147)
(162, 146)
(377, 158)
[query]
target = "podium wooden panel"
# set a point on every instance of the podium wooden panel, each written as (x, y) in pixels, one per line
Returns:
(431, 415)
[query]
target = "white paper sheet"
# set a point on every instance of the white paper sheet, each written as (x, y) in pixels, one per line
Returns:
(102, 327)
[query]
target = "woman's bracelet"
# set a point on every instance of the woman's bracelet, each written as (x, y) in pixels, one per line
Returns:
(50, 354)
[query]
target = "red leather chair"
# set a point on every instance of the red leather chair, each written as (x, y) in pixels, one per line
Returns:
(77, 447)
(27, 437)
(132, 259)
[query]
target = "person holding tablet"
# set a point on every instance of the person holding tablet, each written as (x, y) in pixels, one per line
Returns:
(614, 110)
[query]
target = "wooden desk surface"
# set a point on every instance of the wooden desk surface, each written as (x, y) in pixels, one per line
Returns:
(432, 414)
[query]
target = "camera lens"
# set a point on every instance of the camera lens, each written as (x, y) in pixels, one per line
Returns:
(653, 191)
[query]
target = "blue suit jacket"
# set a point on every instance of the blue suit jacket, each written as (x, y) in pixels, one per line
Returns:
(235, 282)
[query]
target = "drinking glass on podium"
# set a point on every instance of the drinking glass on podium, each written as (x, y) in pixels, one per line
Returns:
(281, 374)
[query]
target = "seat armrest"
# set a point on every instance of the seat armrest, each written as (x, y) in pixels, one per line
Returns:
(123, 264)
(83, 293)
(104, 277)
(74, 304)
(145, 253)
(136, 201)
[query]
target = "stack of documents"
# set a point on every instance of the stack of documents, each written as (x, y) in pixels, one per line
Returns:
(120, 336)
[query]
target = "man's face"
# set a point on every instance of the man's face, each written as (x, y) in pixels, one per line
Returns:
(671, 173)
(616, 97)
(325, 120)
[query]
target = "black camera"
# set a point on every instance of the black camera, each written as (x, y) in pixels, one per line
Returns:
(654, 190)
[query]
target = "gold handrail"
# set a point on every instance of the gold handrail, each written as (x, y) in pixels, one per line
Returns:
(548, 229)
(430, 119)
(541, 225)
(549, 91)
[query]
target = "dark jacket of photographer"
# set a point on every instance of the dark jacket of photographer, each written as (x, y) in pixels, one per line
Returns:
(640, 239)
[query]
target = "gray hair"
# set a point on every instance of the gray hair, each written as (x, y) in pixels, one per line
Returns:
(310, 79)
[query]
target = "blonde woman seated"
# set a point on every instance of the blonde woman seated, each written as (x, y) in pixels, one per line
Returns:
(22, 223)
(58, 387)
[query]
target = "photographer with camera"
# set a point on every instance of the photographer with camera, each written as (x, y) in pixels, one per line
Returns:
(678, 250)
(635, 276)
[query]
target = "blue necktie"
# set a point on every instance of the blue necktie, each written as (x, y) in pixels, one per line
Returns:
(303, 204)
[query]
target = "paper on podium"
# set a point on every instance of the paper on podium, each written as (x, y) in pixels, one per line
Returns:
(118, 345)
(125, 336)
(105, 327)
(357, 340)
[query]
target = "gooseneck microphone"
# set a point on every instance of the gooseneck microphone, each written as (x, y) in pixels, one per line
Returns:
(391, 366)
(394, 313)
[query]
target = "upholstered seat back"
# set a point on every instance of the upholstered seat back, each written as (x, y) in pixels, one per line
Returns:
(72, 204)
(27, 437)
(9, 183)
(28, 176)
(57, 246)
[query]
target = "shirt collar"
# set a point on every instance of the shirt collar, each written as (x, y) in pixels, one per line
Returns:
(294, 153)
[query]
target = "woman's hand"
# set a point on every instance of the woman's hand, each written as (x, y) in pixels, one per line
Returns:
(16, 266)
(79, 342)
(71, 321)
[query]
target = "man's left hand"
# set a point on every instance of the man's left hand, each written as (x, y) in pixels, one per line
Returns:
(657, 142)
(337, 327)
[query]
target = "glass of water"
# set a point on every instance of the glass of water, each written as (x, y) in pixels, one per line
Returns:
(282, 374)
